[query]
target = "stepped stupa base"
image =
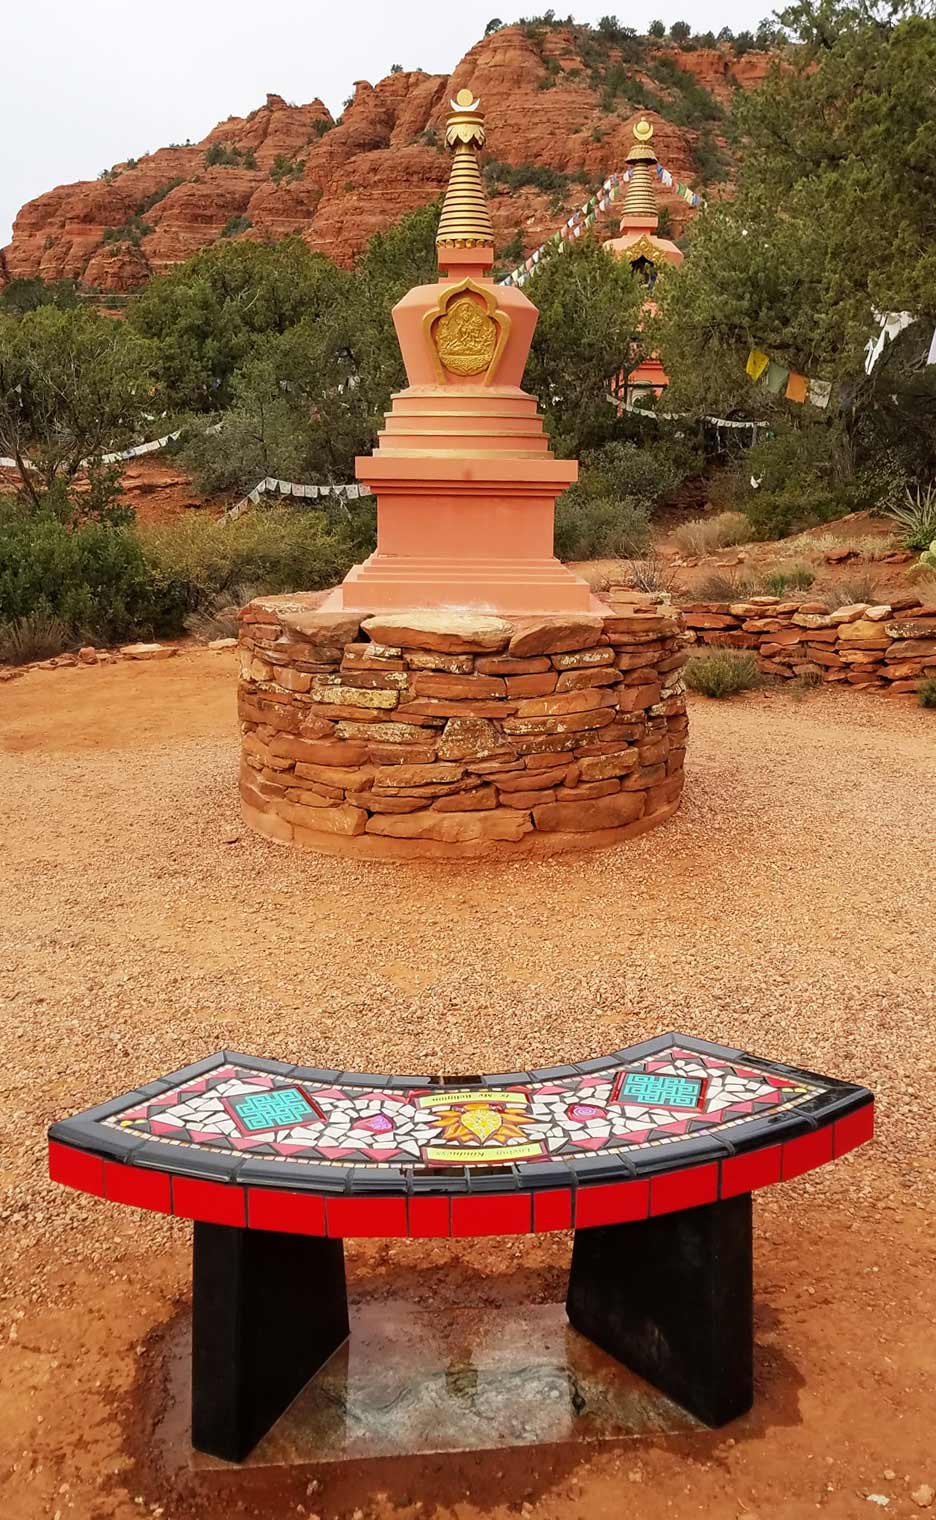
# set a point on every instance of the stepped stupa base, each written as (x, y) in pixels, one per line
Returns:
(387, 582)
(441, 734)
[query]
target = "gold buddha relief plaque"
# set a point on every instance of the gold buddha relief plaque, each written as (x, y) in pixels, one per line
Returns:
(466, 338)
(466, 331)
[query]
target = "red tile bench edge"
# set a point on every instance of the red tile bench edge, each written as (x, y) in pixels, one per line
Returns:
(465, 1215)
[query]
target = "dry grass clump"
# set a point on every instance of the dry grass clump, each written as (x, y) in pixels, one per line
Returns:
(868, 545)
(722, 672)
(718, 587)
(704, 534)
(797, 578)
(37, 636)
(926, 692)
(217, 617)
(852, 589)
(651, 573)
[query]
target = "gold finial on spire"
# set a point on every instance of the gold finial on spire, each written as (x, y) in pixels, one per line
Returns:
(640, 199)
(465, 221)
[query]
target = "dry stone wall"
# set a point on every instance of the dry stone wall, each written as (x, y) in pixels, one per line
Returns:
(447, 734)
(891, 647)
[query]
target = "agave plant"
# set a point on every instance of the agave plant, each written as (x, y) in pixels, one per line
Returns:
(916, 517)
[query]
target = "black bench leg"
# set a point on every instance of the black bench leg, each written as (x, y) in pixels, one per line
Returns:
(268, 1309)
(672, 1298)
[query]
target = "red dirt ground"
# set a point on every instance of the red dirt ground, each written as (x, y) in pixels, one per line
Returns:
(786, 907)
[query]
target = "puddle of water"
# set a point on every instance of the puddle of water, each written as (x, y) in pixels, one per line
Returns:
(415, 1381)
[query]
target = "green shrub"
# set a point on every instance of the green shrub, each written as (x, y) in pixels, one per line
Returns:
(515, 176)
(132, 231)
(652, 471)
(928, 557)
(94, 577)
(598, 527)
(806, 478)
(722, 672)
(276, 549)
(37, 636)
(776, 514)
(926, 692)
(61, 584)
(704, 534)
(235, 225)
(916, 517)
(797, 578)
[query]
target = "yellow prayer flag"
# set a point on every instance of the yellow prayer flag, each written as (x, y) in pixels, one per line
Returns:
(756, 364)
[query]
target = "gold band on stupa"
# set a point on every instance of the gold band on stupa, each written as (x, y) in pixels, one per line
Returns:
(640, 198)
(465, 221)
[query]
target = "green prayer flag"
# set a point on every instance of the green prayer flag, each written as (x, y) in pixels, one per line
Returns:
(776, 377)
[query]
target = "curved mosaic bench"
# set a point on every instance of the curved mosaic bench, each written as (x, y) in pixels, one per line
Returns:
(650, 1154)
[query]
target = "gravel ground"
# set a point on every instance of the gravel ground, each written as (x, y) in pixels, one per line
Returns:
(787, 909)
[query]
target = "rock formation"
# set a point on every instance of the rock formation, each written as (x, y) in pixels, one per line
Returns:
(287, 168)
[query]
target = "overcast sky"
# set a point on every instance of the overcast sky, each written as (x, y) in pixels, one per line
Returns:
(86, 85)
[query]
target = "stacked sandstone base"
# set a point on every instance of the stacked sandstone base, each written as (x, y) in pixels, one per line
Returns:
(451, 735)
(890, 647)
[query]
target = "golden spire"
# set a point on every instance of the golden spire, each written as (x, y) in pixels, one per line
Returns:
(640, 199)
(466, 221)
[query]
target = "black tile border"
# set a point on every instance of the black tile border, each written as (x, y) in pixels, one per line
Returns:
(87, 1133)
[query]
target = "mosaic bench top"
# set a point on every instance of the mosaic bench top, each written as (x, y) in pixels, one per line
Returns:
(666, 1124)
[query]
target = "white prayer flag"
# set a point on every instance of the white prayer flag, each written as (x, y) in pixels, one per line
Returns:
(819, 392)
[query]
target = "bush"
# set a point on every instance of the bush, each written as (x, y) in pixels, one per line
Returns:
(916, 517)
(516, 176)
(217, 617)
(806, 478)
(852, 589)
(704, 534)
(722, 672)
(776, 514)
(726, 588)
(598, 527)
(797, 578)
(93, 578)
(926, 692)
(106, 584)
(37, 636)
(273, 550)
(653, 471)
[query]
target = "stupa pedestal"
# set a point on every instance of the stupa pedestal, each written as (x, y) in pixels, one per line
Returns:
(462, 692)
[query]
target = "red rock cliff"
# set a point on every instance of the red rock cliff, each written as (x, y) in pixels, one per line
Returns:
(287, 168)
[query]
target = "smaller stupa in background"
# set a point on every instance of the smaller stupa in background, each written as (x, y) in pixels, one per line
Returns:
(639, 244)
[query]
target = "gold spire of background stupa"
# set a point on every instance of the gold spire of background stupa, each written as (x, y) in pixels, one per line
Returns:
(640, 199)
(466, 221)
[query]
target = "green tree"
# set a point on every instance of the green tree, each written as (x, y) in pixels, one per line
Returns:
(588, 330)
(656, 29)
(494, 25)
(24, 295)
(309, 397)
(833, 221)
(206, 315)
(680, 31)
(73, 386)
